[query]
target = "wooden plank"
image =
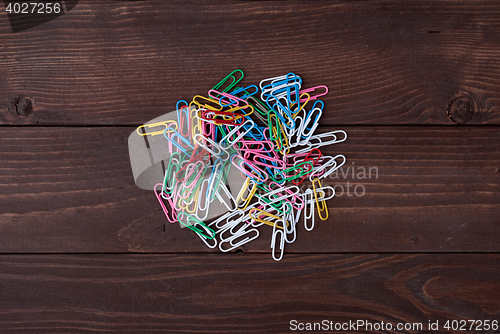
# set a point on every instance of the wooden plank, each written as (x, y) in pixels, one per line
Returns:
(433, 189)
(113, 62)
(242, 293)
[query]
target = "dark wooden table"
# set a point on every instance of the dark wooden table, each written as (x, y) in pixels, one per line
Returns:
(416, 85)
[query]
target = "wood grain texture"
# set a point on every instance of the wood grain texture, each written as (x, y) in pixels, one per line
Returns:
(70, 189)
(241, 293)
(385, 62)
(436, 190)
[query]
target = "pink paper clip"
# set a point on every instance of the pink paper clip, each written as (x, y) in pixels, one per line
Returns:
(255, 173)
(247, 144)
(313, 97)
(257, 155)
(184, 116)
(250, 145)
(165, 210)
(208, 129)
(192, 170)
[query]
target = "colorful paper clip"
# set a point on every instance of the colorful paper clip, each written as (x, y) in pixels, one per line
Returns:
(215, 133)
(165, 125)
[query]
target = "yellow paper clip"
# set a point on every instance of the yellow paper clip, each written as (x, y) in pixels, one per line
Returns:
(164, 124)
(249, 196)
(194, 203)
(233, 109)
(243, 189)
(196, 126)
(265, 213)
(295, 113)
(323, 203)
(197, 98)
(281, 145)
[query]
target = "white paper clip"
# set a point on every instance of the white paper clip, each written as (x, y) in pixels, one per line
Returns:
(334, 166)
(281, 240)
(309, 125)
(208, 232)
(220, 149)
(232, 239)
(205, 208)
(317, 140)
(309, 214)
(240, 136)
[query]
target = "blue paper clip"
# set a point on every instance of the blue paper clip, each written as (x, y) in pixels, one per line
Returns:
(179, 109)
(244, 89)
(180, 137)
(310, 125)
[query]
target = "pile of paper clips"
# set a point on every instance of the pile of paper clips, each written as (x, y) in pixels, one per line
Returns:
(215, 133)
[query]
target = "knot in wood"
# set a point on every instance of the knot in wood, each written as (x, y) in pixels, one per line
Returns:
(462, 109)
(25, 107)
